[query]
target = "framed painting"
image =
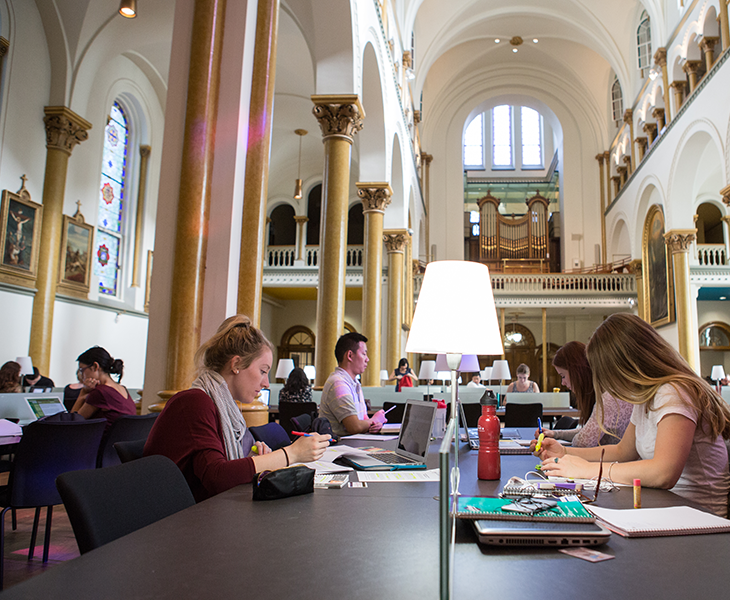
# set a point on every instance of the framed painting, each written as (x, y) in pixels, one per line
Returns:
(658, 275)
(20, 228)
(75, 272)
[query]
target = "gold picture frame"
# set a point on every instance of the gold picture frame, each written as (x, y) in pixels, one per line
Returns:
(658, 277)
(20, 229)
(74, 274)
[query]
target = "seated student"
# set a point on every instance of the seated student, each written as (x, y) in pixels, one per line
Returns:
(342, 403)
(403, 375)
(476, 381)
(571, 363)
(37, 380)
(296, 388)
(202, 429)
(10, 378)
(101, 395)
(675, 438)
(523, 383)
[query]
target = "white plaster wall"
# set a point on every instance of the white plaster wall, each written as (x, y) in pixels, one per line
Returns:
(15, 313)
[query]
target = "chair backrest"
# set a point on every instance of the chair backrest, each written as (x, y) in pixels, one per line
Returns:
(130, 450)
(301, 423)
(128, 427)
(106, 504)
(522, 415)
(272, 434)
(48, 449)
(395, 415)
(287, 410)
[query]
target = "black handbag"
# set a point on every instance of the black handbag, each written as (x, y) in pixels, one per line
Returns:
(282, 483)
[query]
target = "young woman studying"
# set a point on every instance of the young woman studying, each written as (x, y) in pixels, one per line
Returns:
(675, 438)
(523, 383)
(403, 375)
(202, 429)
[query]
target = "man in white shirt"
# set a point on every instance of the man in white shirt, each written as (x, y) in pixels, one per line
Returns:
(476, 382)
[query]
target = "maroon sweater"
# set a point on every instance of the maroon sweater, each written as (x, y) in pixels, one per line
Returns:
(188, 432)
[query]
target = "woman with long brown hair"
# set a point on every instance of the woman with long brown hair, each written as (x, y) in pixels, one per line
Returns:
(675, 439)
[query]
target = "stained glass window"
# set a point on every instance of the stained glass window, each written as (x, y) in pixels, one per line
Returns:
(531, 137)
(111, 202)
(502, 136)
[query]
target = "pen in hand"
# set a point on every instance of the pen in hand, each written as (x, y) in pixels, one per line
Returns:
(302, 434)
(539, 424)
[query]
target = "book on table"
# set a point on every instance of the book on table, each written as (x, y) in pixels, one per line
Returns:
(655, 522)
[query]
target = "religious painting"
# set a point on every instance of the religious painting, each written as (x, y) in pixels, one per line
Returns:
(658, 275)
(75, 271)
(20, 226)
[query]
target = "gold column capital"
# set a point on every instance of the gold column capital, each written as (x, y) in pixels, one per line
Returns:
(642, 141)
(708, 43)
(396, 240)
(658, 113)
(660, 57)
(678, 85)
(375, 196)
(725, 193)
(691, 66)
(64, 128)
(600, 158)
(415, 267)
(628, 115)
(407, 59)
(635, 268)
(339, 116)
(299, 219)
(145, 151)
(679, 240)
(426, 158)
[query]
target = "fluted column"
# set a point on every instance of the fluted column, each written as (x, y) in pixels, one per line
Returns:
(301, 222)
(678, 241)
(629, 118)
(660, 59)
(707, 45)
(395, 243)
(64, 129)
(691, 67)
(678, 87)
(426, 185)
(636, 269)
(255, 190)
(599, 158)
(724, 28)
(191, 238)
(144, 156)
(340, 118)
(375, 198)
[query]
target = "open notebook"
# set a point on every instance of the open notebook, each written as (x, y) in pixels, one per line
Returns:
(653, 522)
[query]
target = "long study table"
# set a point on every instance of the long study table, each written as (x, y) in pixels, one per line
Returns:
(372, 543)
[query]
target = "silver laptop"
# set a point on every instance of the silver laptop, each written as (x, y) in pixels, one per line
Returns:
(540, 533)
(412, 447)
(17, 407)
(45, 406)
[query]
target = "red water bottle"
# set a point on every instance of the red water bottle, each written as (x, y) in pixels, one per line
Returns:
(488, 466)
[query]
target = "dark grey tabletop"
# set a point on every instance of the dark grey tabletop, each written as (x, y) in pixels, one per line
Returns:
(378, 542)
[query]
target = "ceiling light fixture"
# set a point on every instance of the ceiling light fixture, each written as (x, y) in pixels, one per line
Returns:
(128, 9)
(497, 40)
(535, 40)
(298, 184)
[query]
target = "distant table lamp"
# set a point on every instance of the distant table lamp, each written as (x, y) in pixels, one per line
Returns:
(310, 372)
(486, 374)
(444, 377)
(26, 368)
(500, 370)
(718, 374)
(427, 372)
(383, 377)
(285, 366)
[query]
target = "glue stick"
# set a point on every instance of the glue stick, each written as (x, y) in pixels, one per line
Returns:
(637, 493)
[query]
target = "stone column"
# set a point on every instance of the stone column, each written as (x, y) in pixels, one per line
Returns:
(599, 158)
(660, 59)
(340, 118)
(636, 269)
(64, 129)
(691, 67)
(375, 198)
(726, 237)
(724, 28)
(191, 238)
(301, 222)
(616, 180)
(678, 87)
(641, 143)
(707, 45)
(628, 161)
(255, 190)
(426, 184)
(629, 118)
(607, 160)
(678, 241)
(395, 243)
(544, 350)
(650, 129)
(408, 271)
(144, 154)
(658, 114)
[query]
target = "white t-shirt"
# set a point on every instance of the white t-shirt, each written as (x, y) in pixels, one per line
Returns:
(705, 478)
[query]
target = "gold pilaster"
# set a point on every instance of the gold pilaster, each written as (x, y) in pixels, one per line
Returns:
(628, 161)
(255, 190)
(707, 45)
(678, 241)
(691, 67)
(599, 158)
(658, 114)
(426, 184)
(636, 269)
(301, 222)
(144, 156)
(408, 273)
(629, 118)
(501, 328)
(660, 58)
(544, 350)
(340, 118)
(191, 237)
(616, 180)
(375, 199)
(724, 28)
(607, 159)
(622, 176)
(64, 129)
(395, 243)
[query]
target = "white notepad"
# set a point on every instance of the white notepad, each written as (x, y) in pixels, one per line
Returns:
(654, 522)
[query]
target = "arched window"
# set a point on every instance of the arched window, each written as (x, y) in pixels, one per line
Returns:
(283, 228)
(643, 44)
(109, 240)
(617, 102)
(474, 143)
(531, 138)
(297, 343)
(314, 213)
(502, 156)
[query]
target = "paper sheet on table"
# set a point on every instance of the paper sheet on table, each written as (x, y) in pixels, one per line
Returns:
(371, 437)
(8, 428)
(399, 476)
(322, 467)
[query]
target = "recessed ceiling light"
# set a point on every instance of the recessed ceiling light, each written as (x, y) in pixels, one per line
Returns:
(723, 297)
(514, 49)
(534, 40)
(496, 41)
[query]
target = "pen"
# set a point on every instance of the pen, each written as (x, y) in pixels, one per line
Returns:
(539, 424)
(540, 438)
(391, 408)
(301, 434)
(600, 473)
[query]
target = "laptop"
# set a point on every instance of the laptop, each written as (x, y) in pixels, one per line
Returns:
(540, 533)
(17, 407)
(472, 433)
(264, 396)
(45, 407)
(412, 446)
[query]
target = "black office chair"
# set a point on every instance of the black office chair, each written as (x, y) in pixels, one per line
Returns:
(522, 415)
(106, 504)
(395, 415)
(128, 427)
(287, 410)
(302, 423)
(472, 412)
(46, 450)
(272, 434)
(566, 422)
(130, 450)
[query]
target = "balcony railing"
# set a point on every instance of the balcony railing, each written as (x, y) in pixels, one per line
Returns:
(711, 255)
(566, 283)
(285, 256)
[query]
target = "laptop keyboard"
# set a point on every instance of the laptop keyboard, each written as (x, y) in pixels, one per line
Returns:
(394, 459)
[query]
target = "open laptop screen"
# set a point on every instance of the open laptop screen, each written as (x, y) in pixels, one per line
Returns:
(415, 434)
(264, 396)
(44, 407)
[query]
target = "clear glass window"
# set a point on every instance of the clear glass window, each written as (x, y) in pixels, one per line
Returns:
(502, 136)
(531, 137)
(474, 143)
(643, 44)
(617, 101)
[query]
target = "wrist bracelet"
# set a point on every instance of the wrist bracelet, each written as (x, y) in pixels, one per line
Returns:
(287, 456)
(609, 470)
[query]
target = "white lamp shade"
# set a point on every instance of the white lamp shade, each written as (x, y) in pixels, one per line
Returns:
(285, 366)
(26, 365)
(718, 373)
(486, 373)
(383, 375)
(451, 290)
(428, 370)
(310, 372)
(500, 370)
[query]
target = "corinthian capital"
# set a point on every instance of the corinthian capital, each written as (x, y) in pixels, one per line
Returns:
(660, 57)
(395, 240)
(375, 196)
(679, 240)
(64, 128)
(339, 116)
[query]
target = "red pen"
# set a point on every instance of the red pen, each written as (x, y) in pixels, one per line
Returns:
(301, 433)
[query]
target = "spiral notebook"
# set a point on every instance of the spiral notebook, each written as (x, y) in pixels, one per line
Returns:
(655, 522)
(571, 511)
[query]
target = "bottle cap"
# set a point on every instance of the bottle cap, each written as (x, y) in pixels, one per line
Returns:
(440, 403)
(488, 399)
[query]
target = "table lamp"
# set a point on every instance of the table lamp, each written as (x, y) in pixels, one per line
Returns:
(486, 374)
(718, 374)
(383, 377)
(500, 370)
(285, 366)
(427, 372)
(310, 372)
(26, 368)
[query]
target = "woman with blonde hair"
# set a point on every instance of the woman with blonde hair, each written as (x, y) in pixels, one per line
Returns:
(202, 429)
(675, 438)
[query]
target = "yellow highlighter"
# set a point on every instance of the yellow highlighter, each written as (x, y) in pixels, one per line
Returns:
(540, 438)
